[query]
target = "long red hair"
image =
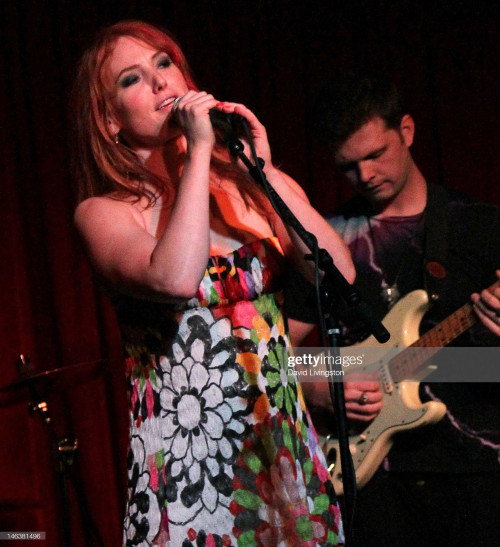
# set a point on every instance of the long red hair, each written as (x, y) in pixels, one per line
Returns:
(101, 165)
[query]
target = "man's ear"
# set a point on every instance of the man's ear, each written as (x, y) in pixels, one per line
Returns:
(407, 130)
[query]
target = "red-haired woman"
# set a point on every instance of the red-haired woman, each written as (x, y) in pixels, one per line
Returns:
(222, 451)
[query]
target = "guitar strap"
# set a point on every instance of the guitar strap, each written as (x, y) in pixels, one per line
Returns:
(436, 240)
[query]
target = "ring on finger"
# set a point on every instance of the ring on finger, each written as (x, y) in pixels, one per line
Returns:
(363, 398)
(176, 103)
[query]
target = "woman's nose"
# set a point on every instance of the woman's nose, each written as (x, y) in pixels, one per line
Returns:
(159, 81)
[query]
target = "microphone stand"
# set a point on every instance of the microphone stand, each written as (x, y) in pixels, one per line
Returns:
(334, 284)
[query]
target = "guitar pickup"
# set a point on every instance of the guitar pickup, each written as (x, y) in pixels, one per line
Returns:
(387, 384)
(388, 387)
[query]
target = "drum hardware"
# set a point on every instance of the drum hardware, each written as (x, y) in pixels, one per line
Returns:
(64, 451)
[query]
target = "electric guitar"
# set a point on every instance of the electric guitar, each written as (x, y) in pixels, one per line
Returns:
(402, 408)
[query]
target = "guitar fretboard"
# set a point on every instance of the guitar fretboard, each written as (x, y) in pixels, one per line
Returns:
(408, 363)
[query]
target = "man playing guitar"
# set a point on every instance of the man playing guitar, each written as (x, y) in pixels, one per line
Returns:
(439, 485)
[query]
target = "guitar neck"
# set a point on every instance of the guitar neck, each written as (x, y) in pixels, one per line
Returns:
(408, 363)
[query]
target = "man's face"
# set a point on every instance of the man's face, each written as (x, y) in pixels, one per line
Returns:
(377, 160)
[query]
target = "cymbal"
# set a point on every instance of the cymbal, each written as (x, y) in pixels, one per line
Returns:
(58, 379)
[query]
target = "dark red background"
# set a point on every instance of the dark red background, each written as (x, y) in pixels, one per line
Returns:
(270, 55)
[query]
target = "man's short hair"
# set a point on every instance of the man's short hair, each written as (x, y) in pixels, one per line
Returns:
(350, 100)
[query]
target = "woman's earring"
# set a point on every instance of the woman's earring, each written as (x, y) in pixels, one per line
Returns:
(117, 138)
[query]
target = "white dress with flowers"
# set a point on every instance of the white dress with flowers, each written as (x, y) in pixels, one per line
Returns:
(222, 451)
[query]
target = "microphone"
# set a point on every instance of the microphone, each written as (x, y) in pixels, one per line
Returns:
(225, 121)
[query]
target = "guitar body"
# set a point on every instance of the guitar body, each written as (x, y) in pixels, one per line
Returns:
(402, 408)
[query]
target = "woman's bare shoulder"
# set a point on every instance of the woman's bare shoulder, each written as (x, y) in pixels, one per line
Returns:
(108, 208)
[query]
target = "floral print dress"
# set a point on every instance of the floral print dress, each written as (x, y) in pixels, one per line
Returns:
(222, 451)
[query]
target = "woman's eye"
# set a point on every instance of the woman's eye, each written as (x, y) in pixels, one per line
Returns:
(164, 62)
(129, 80)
